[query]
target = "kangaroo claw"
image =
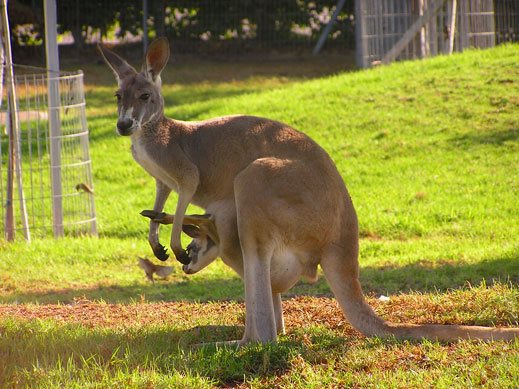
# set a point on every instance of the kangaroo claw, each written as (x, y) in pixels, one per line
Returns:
(160, 252)
(183, 257)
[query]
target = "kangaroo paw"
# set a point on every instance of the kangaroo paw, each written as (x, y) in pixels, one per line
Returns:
(182, 256)
(149, 213)
(159, 217)
(160, 252)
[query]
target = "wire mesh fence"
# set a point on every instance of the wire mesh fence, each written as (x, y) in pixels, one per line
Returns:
(506, 20)
(474, 23)
(209, 27)
(35, 191)
(237, 27)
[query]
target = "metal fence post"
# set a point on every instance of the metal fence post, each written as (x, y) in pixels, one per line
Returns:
(360, 39)
(51, 48)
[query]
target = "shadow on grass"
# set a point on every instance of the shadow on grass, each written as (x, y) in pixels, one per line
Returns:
(493, 138)
(73, 353)
(429, 276)
(198, 290)
(189, 71)
(425, 276)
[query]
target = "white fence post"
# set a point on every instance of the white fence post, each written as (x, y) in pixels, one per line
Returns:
(51, 49)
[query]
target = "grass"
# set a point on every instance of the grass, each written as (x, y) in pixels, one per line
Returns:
(430, 153)
(145, 345)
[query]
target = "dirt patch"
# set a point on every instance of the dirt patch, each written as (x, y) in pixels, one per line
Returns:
(299, 312)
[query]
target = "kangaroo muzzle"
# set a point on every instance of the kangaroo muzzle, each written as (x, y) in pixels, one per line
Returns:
(124, 126)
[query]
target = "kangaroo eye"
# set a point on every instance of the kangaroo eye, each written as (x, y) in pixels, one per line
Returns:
(144, 96)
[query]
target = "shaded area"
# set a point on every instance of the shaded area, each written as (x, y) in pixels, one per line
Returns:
(80, 350)
(143, 337)
(223, 289)
(190, 70)
(492, 138)
(427, 276)
(424, 276)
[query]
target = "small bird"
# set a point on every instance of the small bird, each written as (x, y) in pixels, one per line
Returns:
(84, 187)
(150, 268)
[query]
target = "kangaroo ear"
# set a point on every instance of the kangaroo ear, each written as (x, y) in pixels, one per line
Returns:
(156, 59)
(208, 228)
(191, 231)
(119, 66)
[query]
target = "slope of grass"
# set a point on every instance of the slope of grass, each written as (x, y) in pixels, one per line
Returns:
(428, 149)
(430, 153)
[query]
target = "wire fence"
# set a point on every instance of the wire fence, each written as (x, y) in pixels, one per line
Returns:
(35, 192)
(200, 26)
(506, 20)
(450, 26)
(238, 27)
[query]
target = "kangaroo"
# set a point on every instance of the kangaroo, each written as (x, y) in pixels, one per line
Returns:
(205, 246)
(281, 207)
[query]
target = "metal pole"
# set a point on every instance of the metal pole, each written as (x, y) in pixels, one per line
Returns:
(424, 31)
(9, 211)
(360, 35)
(328, 27)
(51, 48)
(2, 63)
(452, 27)
(145, 26)
(14, 163)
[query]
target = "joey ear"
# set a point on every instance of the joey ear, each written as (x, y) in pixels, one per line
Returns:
(191, 231)
(208, 228)
(156, 59)
(119, 66)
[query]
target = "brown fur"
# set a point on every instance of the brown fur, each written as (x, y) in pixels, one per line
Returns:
(279, 203)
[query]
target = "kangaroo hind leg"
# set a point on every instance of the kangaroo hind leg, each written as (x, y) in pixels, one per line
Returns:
(257, 236)
(278, 312)
(260, 317)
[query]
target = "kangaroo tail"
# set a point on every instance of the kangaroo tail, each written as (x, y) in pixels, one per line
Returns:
(343, 280)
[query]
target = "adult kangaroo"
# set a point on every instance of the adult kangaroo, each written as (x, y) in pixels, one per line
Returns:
(281, 207)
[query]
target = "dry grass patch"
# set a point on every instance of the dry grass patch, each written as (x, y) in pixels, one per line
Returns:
(495, 305)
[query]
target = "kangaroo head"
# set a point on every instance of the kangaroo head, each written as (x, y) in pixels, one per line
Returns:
(202, 250)
(139, 98)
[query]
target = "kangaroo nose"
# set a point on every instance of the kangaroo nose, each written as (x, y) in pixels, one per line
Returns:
(123, 125)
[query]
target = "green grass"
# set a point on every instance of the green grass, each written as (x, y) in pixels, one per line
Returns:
(144, 352)
(430, 154)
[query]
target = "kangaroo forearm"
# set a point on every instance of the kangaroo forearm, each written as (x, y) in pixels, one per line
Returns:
(161, 195)
(187, 190)
(176, 245)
